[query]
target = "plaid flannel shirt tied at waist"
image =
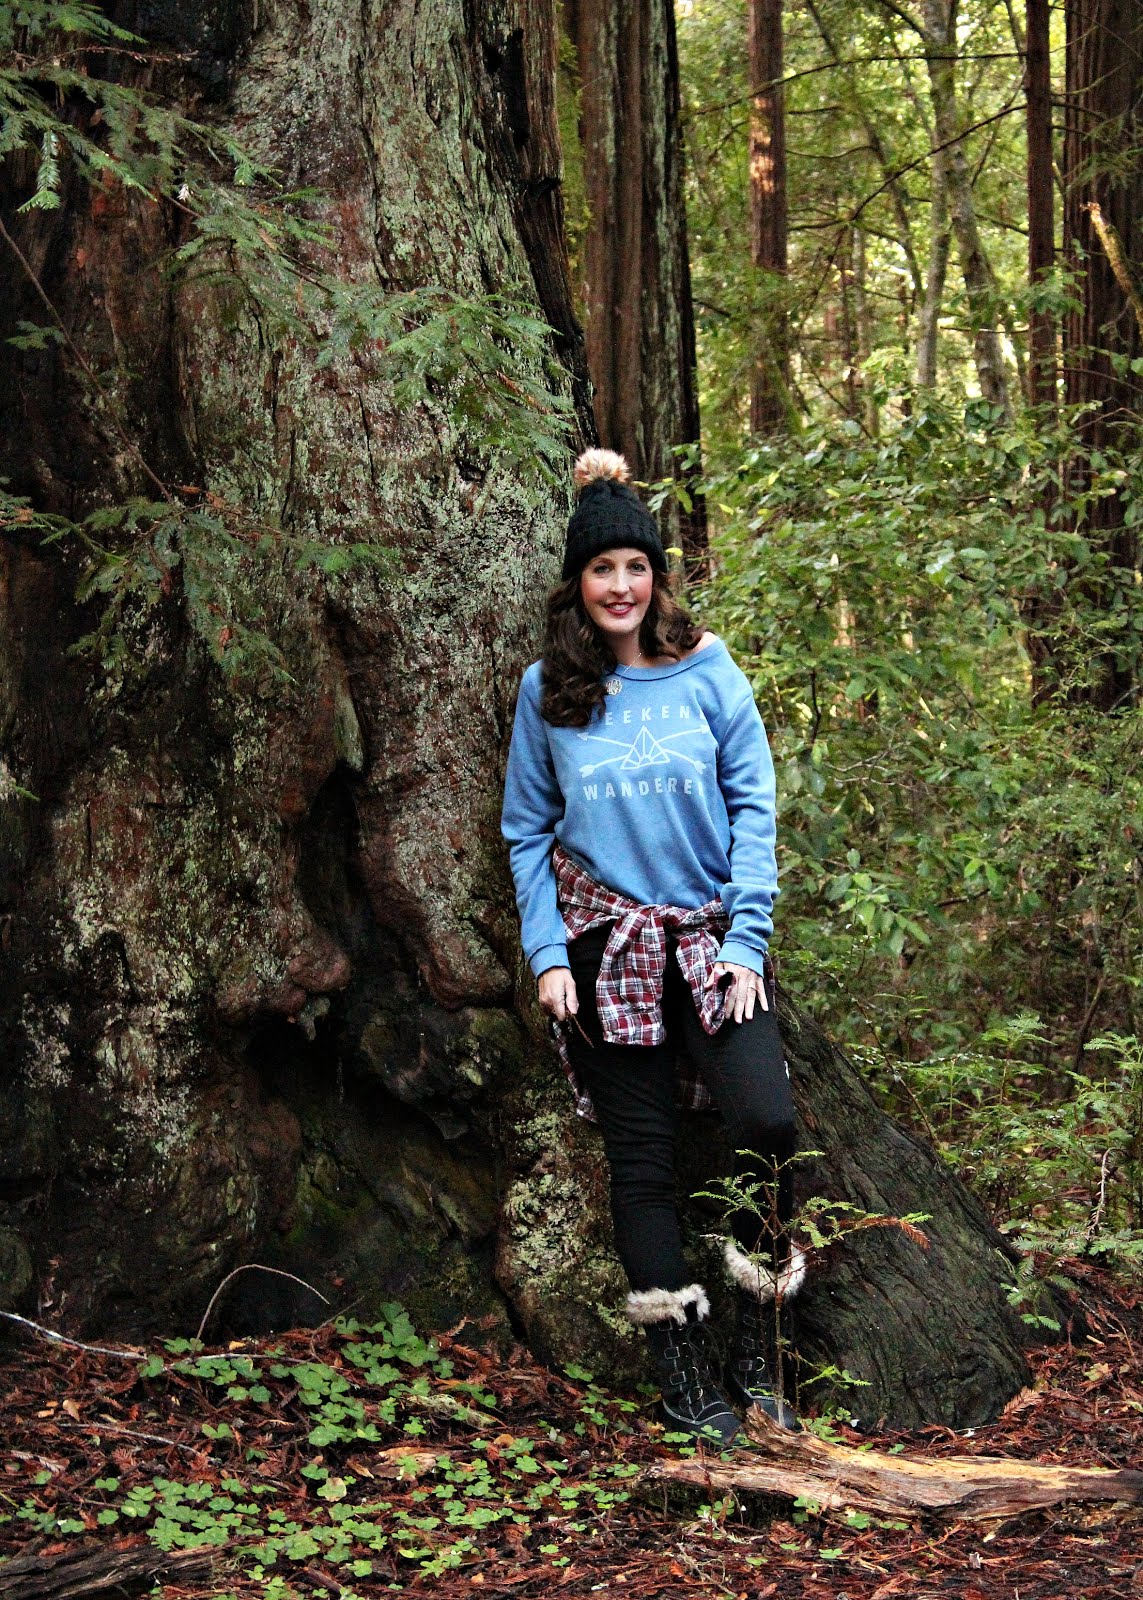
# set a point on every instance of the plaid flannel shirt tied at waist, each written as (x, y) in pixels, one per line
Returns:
(629, 992)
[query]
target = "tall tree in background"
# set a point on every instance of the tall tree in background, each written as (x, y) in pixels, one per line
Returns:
(936, 273)
(638, 312)
(1103, 233)
(769, 388)
(938, 31)
(1041, 199)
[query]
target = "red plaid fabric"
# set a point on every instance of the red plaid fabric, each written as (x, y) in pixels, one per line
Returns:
(629, 991)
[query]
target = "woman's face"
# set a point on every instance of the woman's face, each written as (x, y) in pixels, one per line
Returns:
(616, 589)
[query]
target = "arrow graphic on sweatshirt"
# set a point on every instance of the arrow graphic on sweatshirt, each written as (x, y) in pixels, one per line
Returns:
(643, 751)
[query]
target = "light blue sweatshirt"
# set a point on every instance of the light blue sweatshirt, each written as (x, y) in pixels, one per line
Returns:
(666, 796)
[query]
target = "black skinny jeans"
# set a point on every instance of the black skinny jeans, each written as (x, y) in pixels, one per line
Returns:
(633, 1088)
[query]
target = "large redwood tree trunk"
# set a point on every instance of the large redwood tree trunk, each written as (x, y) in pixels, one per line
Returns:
(261, 998)
(1042, 373)
(259, 952)
(1103, 167)
(769, 385)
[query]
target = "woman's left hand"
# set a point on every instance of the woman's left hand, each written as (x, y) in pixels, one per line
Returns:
(745, 987)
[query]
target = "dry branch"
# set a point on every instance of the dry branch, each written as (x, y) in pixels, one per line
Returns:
(121, 1569)
(1117, 259)
(972, 1488)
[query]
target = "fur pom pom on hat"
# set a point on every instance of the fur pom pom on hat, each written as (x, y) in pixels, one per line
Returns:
(595, 465)
(610, 515)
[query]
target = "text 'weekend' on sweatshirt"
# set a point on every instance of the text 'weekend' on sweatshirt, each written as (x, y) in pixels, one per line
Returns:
(666, 796)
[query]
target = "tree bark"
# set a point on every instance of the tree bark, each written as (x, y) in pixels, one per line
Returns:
(259, 951)
(940, 238)
(120, 1569)
(1102, 167)
(863, 323)
(1042, 375)
(939, 18)
(262, 997)
(769, 388)
(640, 319)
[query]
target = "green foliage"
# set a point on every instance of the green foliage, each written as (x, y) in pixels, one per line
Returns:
(859, 130)
(958, 837)
(820, 1223)
(1056, 1152)
(937, 826)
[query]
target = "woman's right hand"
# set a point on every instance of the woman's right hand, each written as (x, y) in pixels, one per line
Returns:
(557, 993)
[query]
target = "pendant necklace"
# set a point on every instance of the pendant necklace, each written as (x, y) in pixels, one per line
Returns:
(614, 684)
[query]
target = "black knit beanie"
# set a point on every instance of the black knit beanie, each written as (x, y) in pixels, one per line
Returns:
(609, 516)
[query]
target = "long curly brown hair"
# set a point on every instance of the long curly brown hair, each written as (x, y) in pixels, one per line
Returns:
(576, 658)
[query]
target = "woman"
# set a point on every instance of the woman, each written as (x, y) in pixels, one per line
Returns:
(639, 808)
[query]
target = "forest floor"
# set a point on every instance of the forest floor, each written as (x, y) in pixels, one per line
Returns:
(353, 1462)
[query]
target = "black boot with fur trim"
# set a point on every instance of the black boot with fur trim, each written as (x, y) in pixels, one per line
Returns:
(747, 1375)
(692, 1400)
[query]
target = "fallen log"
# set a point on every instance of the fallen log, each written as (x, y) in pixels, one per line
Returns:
(796, 1466)
(123, 1569)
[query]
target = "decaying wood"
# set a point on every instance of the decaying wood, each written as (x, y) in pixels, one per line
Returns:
(124, 1569)
(973, 1488)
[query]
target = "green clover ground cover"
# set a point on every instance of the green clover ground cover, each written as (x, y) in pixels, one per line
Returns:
(356, 1461)
(283, 1457)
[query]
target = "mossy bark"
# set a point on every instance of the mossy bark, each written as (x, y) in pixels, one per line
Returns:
(261, 997)
(240, 920)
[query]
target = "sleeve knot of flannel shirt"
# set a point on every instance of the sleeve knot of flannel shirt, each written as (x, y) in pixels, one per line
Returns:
(630, 987)
(629, 991)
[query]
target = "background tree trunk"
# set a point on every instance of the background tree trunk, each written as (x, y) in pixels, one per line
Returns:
(769, 388)
(941, 57)
(640, 321)
(863, 324)
(940, 238)
(1102, 165)
(1041, 201)
(261, 995)
(898, 194)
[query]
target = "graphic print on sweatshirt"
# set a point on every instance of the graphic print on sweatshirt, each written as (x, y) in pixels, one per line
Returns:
(617, 755)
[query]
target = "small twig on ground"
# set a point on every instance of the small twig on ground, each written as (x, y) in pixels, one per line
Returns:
(322, 1580)
(133, 1433)
(1101, 1203)
(124, 1354)
(254, 1266)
